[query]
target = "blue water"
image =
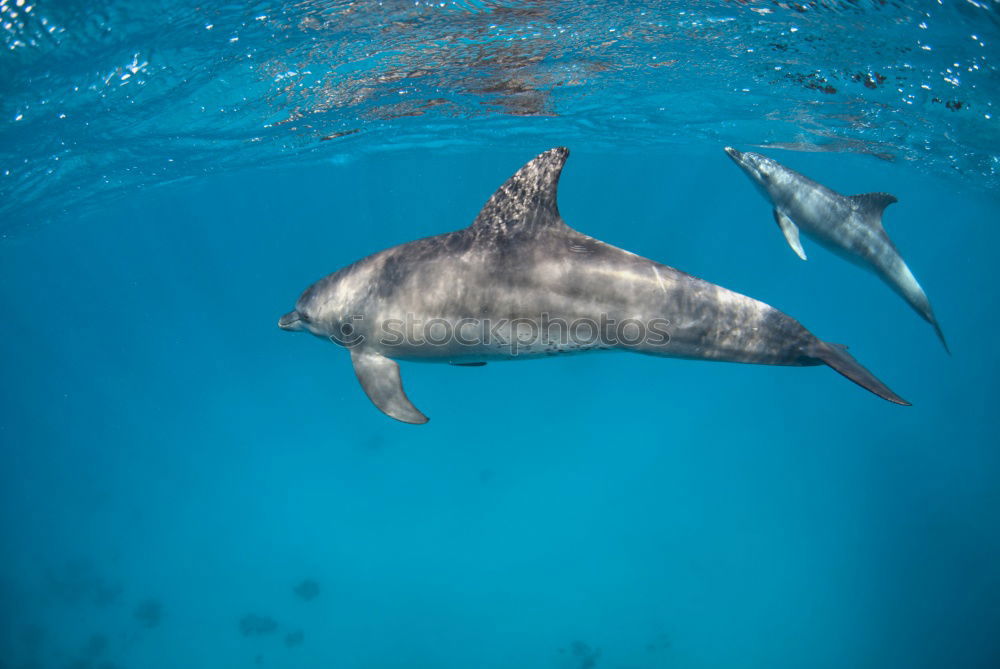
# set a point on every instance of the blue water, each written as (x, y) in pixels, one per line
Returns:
(171, 463)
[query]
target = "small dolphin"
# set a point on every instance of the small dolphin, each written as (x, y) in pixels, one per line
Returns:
(494, 291)
(848, 225)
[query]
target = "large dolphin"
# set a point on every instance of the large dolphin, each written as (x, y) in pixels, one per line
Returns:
(849, 225)
(520, 283)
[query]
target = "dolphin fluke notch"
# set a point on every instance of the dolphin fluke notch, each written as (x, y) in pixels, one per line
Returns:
(841, 361)
(526, 202)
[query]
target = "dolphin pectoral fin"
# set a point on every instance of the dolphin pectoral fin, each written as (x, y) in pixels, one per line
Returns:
(791, 232)
(379, 376)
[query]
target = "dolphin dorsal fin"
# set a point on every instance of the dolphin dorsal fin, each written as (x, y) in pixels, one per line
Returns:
(871, 205)
(526, 202)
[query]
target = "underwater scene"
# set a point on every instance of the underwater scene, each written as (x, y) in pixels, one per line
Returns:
(695, 305)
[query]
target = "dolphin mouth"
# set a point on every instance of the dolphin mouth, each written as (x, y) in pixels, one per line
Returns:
(733, 153)
(291, 321)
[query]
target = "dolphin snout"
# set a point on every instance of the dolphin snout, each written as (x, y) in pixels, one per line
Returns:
(290, 321)
(734, 154)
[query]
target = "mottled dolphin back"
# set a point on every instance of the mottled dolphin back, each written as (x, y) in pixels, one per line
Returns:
(526, 202)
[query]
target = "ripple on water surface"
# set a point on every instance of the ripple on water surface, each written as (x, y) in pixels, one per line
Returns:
(102, 97)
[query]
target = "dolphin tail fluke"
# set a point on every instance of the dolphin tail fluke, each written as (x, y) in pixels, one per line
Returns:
(841, 361)
(906, 285)
(940, 334)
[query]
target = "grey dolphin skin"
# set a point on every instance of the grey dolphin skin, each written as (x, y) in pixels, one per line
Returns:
(848, 225)
(496, 289)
